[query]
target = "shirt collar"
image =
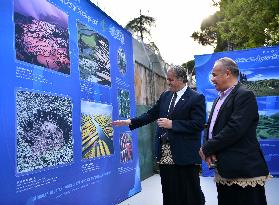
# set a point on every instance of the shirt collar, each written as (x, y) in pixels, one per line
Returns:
(226, 92)
(181, 92)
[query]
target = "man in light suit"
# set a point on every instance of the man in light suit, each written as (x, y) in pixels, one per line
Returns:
(231, 138)
(180, 115)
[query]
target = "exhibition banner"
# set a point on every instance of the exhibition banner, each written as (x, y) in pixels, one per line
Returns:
(66, 74)
(259, 72)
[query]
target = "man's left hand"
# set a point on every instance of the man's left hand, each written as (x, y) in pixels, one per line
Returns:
(164, 123)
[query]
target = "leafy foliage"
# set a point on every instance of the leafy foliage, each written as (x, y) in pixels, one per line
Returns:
(141, 26)
(241, 24)
(268, 127)
(191, 72)
(190, 67)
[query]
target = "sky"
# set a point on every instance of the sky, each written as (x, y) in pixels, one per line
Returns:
(176, 20)
(92, 108)
(261, 73)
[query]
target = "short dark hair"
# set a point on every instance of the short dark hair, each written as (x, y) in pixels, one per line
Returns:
(180, 72)
(229, 64)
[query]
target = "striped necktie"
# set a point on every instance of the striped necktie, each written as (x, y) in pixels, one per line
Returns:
(172, 103)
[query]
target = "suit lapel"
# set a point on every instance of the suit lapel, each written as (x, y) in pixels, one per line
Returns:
(182, 100)
(166, 102)
(227, 100)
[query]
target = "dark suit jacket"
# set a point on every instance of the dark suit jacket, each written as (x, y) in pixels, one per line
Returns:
(188, 118)
(234, 137)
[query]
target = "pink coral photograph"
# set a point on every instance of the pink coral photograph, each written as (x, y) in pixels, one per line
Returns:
(41, 35)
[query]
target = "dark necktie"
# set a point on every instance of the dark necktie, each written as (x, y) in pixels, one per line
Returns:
(164, 134)
(172, 103)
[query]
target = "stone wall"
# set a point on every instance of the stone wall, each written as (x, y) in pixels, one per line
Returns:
(150, 82)
(148, 85)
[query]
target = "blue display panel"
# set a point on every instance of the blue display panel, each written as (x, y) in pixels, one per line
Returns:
(259, 71)
(66, 74)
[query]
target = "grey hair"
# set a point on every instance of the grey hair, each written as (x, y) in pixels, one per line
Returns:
(229, 64)
(180, 73)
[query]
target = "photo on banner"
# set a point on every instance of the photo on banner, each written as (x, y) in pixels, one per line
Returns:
(96, 130)
(44, 131)
(41, 35)
(94, 61)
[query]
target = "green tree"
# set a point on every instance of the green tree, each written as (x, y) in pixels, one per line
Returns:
(191, 71)
(209, 34)
(241, 24)
(272, 32)
(140, 26)
(190, 67)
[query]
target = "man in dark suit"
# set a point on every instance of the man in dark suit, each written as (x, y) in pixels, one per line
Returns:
(231, 139)
(180, 115)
